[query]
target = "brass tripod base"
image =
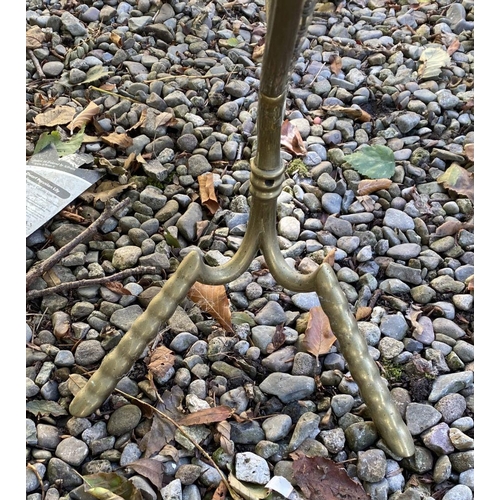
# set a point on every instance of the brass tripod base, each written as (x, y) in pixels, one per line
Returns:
(286, 18)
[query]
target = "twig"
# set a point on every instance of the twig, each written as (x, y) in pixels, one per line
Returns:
(317, 74)
(114, 94)
(37, 474)
(187, 436)
(39, 269)
(163, 78)
(64, 287)
(36, 62)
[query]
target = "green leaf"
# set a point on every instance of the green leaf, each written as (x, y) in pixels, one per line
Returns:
(241, 318)
(47, 138)
(63, 147)
(44, 408)
(172, 240)
(375, 162)
(233, 42)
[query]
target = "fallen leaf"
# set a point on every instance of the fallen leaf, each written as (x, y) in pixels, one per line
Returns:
(140, 121)
(34, 38)
(353, 113)
(213, 300)
(60, 115)
(166, 118)
(207, 416)
(241, 318)
(160, 361)
(110, 486)
(150, 469)
(116, 139)
(258, 52)
(363, 313)
(413, 314)
(207, 192)
(44, 408)
(117, 287)
(318, 337)
(469, 151)
(109, 189)
(336, 65)
(454, 46)
(458, 180)
(63, 148)
(322, 478)
(220, 492)
(368, 186)
(95, 73)
(278, 339)
(84, 116)
(248, 491)
(291, 138)
(224, 430)
(76, 383)
(116, 38)
(112, 169)
(432, 60)
(72, 216)
(375, 162)
(470, 283)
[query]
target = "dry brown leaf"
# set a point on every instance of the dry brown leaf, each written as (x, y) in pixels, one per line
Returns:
(150, 469)
(322, 478)
(318, 337)
(60, 115)
(353, 113)
(336, 65)
(160, 361)
(140, 121)
(115, 139)
(258, 52)
(458, 180)
(224, 430)
(166, 118)
(213, 300)
(470, 283)
(363, 313)
(207, 192)
(368, 186)
(116, 38)
(220, 492)
(454, 46)
(51, 278)
(330, 257)
(34, 38)
(85, 116)
(72, 216)
(469, 151)
(291, 138)
(207, 416)
(413, 314)
(117, 287)
(108, 189)
(278, 339)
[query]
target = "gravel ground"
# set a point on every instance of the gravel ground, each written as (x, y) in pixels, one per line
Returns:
(175, 88)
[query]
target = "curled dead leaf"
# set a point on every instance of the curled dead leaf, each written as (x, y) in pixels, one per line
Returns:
(116, 139)
(34, 38)
(353, 113)
(368, 186)
(363, 313)
(85, 116)
(291, 138)
(336, 65)
(207, 416)
(160, 361)
(207, 192)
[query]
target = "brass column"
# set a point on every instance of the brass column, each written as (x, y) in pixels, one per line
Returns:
(287, 23)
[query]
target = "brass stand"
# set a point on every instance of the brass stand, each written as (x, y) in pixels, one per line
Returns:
(287, 23)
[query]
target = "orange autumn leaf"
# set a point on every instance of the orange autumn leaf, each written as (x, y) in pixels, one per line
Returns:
(318, 337)
(213, 300)
(207, 192)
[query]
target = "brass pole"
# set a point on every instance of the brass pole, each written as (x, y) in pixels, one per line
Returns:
(287, 23)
